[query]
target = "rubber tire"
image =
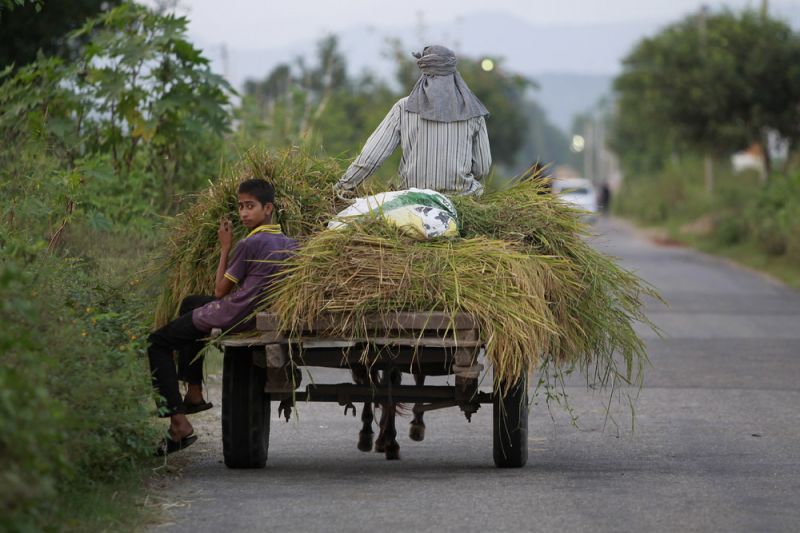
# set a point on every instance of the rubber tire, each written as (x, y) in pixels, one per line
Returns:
(245, 410)
(510, 427)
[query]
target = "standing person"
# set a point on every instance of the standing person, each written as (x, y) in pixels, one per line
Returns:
(440, 127)
(252, 270)
(604, 198)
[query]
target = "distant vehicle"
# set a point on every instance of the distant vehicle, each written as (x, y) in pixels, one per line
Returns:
(578, 192)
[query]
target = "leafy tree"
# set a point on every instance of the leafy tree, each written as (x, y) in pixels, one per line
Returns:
(284, 107)
(8, 5)
(711, 83)
(139, 96)
(30, 26)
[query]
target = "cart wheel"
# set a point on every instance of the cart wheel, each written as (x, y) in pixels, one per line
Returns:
(245, 411)
(510, 433)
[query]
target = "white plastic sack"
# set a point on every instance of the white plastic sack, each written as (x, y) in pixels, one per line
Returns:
(418, 213)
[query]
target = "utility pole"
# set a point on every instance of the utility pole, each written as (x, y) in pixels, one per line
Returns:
(223, 53)
(701, 24)
(708, 162)
(588, 149)
(601, 171)
(764, 8)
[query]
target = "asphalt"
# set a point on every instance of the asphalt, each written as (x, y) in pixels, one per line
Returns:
(714, 445)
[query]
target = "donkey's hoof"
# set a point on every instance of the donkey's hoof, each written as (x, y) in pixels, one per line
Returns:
(416, 431)
(364, 441)
(380, 445)
(392, 451)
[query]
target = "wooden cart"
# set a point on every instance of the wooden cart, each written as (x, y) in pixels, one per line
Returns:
(263, 368)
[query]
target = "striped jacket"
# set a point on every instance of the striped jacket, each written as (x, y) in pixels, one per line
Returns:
(449, 157)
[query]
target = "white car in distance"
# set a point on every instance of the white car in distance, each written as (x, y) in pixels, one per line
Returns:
(579, 193)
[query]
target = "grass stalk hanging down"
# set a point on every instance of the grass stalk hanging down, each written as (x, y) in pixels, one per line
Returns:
(598, 301)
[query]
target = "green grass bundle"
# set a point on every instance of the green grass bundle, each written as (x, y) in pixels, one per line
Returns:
(598, 301)
(304, 202)
(543, 298)
(372, 268)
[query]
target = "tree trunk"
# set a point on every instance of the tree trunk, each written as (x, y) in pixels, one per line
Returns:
(708, 166)
(767, 156)
(788, 160)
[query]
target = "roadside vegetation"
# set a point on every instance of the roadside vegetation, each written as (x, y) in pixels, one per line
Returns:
(96, 148)
(689, 98)
(751, 223)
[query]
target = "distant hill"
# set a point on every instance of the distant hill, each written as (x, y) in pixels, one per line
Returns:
(564, 95)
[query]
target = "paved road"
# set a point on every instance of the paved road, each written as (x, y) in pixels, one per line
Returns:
(716, 445)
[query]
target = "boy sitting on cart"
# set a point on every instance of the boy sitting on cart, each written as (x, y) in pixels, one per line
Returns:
(253, 268)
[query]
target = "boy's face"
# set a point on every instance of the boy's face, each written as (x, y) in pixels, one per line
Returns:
(252, 212)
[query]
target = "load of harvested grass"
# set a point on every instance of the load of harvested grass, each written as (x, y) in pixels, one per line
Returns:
(372, 268)
(533, 310)
(543, 298)
(304, 202)
(597, 302)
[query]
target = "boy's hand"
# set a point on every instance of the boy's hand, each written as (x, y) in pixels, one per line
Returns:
(225, 234)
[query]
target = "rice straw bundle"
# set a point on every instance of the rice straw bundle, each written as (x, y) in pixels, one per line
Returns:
(597, 302)
(533, 311)
(304, 201)
(373, 268)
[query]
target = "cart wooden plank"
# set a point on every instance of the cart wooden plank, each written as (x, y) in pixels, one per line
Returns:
(253, 340)
(401, 320)
(429, 342)
(341, 342)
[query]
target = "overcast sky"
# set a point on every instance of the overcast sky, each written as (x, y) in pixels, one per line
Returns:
(257, 24)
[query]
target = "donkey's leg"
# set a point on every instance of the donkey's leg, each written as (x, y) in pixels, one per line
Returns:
(361, 377)
(416, 431)
(366, 433)
(380, 442)
(388, 428)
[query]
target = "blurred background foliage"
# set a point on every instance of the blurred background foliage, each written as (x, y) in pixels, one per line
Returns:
(688, 99)
(321, 106)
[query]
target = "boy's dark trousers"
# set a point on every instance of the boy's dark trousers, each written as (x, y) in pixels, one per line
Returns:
(183, 336)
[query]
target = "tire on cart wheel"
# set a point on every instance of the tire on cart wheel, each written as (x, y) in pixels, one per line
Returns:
(510, 425)
(245, 410)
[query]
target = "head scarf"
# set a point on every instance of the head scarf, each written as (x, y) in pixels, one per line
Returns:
(441, 94)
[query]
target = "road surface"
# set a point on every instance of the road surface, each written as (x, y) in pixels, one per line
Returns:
(716, 443)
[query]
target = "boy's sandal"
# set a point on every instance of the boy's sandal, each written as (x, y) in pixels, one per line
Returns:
(192, 408)
(169, 446)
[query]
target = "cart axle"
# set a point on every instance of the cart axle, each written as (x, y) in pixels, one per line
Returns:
(346, 393)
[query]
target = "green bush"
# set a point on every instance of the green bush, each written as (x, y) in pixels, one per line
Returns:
(675, 192)
(74, 391)
(139, 111)
(95, 152)
(31, 457)
(743, 209)
(774, 216)
(730, 227)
